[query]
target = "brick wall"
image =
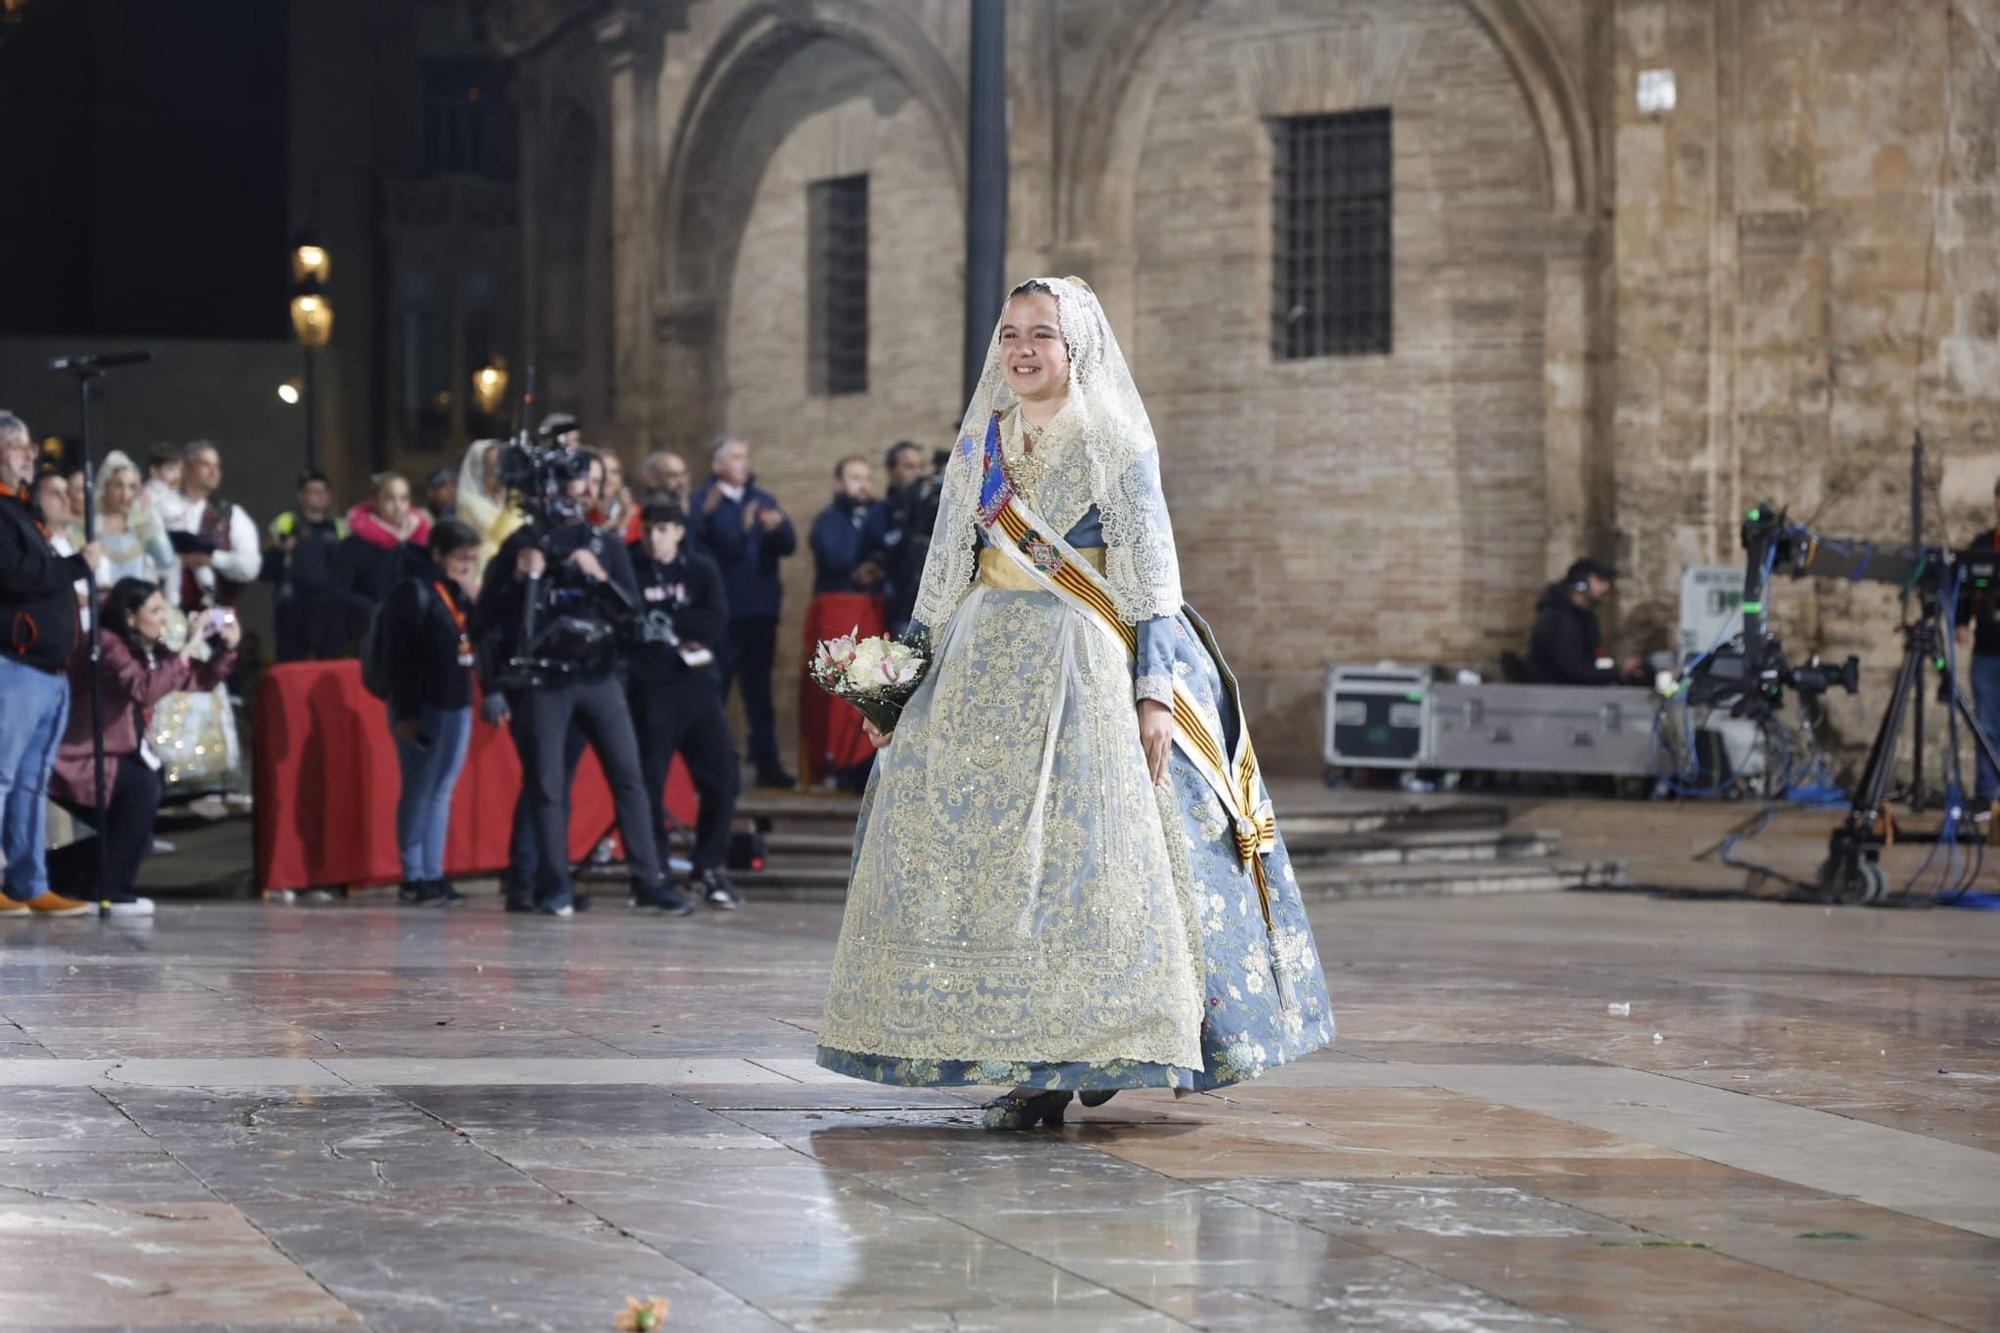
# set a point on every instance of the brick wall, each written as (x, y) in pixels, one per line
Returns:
(843, 117)
(1769, 288)
(1346, 507)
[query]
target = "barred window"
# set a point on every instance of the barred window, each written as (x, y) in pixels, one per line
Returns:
(1330, 211)
(837, 284)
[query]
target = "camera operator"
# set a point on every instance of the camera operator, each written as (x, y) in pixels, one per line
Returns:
(676, 692)
(546, 624)
(1978, 615)
(1566, 646)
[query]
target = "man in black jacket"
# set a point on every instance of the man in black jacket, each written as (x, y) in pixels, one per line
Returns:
(906, 536)
(1566, 647)
(299, 556)
(38, 613)
(586, 571)
(1978, 616)
(676, 691)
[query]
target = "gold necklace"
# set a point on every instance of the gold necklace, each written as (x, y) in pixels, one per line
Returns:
(1027, 466)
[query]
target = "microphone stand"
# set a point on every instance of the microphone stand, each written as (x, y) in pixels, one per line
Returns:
(88, 370)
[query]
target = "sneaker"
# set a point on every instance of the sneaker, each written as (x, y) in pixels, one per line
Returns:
(448, 894)
(136, 907)
(661, 897)
(566, 911)
(47, 903)
(161, 847)
(420, 893)
(776, 776)
(717, 891)
(582, 902)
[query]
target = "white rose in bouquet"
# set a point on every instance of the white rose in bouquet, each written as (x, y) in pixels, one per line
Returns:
(864, 672)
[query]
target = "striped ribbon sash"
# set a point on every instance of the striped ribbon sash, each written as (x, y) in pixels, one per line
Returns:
(1019, 533)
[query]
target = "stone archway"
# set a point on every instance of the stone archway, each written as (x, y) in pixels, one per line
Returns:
(728, 127)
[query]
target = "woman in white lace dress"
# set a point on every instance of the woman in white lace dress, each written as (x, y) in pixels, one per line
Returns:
(1066, 874)
(134, 539)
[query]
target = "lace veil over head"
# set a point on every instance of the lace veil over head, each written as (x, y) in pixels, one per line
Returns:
(1109, 422)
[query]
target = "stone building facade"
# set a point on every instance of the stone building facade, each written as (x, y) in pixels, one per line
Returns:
(1612, 329)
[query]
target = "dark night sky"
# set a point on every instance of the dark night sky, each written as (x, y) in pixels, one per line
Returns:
(144, 176)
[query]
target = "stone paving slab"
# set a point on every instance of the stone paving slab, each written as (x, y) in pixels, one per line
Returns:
(434, 1121)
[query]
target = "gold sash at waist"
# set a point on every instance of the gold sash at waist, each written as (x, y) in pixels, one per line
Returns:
(997, 570)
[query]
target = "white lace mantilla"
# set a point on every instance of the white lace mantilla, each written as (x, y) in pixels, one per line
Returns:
(1105, 455)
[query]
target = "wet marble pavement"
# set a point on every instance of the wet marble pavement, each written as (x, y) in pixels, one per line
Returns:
(249, 1116)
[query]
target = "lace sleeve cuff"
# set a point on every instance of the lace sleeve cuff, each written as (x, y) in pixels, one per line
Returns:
(1159, 688)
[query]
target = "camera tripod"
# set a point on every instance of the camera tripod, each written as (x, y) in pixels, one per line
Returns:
(1852, 871)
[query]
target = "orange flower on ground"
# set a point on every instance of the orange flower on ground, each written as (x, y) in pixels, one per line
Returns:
(642, 1316)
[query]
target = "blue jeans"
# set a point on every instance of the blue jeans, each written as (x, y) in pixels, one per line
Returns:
(1986, 704)
(430, 773)
(31, 726)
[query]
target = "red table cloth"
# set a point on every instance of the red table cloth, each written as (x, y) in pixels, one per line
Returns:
(325, 781)
(830, 735)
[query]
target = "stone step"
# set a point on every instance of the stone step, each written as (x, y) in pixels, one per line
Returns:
(784, 843)
(1454, 845)
(801, 810)
(1403, 817)
(1453, 879)
(827, 880)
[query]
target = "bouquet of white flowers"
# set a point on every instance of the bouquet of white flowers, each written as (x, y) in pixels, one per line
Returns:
(877, 675)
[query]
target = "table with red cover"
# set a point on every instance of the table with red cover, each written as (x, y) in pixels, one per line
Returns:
(326, 782)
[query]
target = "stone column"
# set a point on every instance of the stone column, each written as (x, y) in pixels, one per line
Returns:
(632, 38)
(1576, 460)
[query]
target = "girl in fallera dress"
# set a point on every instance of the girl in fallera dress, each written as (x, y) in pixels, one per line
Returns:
(1066, 874)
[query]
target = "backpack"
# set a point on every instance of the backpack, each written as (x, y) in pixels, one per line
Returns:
(377, 651)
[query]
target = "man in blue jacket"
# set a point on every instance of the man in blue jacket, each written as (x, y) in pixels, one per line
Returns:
(745, 531)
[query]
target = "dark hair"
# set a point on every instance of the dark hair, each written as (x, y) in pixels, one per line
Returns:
(1032, 285)
(842, 465)
(163, 455)
(126, 596)
(663, 511)
(307, 476)
(448, 535)
(896, 451)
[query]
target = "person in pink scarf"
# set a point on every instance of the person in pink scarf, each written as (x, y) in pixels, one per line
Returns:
(385, 533)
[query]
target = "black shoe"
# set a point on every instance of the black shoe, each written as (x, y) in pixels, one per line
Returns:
(661, 897)
(1014, 1111)
(581, 901)
(420, 893)
(776, 777)
(716, 890)
(447, 893)
(520, 904)
(1097, 1096)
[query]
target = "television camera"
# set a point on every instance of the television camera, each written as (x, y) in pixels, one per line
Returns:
(570, 623)
(1751, 673)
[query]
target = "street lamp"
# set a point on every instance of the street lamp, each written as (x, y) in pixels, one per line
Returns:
(489, 385)
(312, 324)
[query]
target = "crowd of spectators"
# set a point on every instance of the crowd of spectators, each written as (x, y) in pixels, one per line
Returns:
(171, 555)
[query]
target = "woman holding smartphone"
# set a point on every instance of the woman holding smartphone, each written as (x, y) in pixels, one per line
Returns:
(135, 670)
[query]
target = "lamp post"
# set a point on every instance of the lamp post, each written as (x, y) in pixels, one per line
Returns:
(312, 324)
(489, 386)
